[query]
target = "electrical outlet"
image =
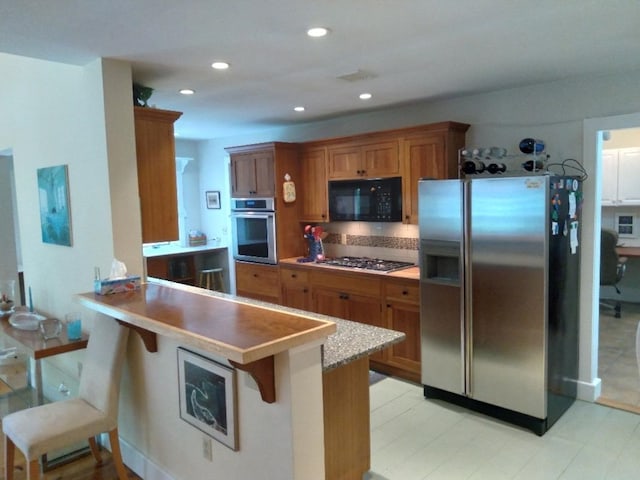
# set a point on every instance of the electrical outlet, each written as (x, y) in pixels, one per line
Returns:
(207, 452)
(343, 238)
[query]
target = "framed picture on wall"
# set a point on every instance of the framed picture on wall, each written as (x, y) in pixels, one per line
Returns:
(213, 199)
(55, 211)
(208, 396)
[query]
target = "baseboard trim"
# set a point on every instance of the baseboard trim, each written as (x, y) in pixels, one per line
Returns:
(589, 392)
(136, 461)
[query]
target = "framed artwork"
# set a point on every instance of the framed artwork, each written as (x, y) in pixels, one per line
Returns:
(208, 396)
(213, 199)
(55, 212)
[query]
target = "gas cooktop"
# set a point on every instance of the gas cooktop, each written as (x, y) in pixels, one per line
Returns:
(367, 263)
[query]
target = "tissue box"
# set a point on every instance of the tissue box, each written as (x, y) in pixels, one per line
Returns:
(108, 287)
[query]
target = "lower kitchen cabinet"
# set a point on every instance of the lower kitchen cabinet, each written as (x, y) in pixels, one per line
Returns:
(258, 281)
(295, 288)
(177, 268)
(352, 297)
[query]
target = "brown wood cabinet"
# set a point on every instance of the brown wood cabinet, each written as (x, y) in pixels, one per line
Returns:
(349, 296)
(355, 160)
(258, 281)
(313, 185)
(402, 305)
(177, 268)
(155, 154)
(296, 290)
(252, 174)
(430, 151)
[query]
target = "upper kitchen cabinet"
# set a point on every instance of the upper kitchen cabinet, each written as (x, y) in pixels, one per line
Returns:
(252, 174)
(429, 151)
(620, 170)
(313, 185)
(155, 152)
(355, 159)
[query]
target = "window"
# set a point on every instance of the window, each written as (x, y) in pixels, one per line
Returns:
(624, 224)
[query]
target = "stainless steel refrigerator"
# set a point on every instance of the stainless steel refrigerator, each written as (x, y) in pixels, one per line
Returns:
(499, 286)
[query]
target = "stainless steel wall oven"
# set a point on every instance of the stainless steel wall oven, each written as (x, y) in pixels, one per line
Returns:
(253, 222)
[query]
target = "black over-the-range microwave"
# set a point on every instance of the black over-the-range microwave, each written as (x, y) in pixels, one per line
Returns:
(366, 200)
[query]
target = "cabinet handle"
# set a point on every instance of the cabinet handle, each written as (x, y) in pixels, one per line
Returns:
(293, 275)
(344, 296)
(305, 290)
(255, 275)
(404, 292)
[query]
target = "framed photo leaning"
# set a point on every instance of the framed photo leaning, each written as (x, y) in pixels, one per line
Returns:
(208, 396)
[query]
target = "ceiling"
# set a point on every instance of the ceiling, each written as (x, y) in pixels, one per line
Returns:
(400, 51)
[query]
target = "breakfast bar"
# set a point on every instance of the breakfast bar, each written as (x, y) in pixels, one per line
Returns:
(249, 334)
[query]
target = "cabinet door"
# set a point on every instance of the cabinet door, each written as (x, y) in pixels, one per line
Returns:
(609, 177)
(261, 282)
(296, 292)
(366, 309)
(424, 157)
(345, 162)
(381, 160)
(156, 165)
(264, 174)
(330, 302)
(628, 175)
(405, 317)
(243, 175)
(314, 186)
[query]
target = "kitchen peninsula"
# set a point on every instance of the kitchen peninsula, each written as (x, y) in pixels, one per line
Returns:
(249, 334)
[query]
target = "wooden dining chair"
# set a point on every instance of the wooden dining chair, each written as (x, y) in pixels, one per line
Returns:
(42, 429)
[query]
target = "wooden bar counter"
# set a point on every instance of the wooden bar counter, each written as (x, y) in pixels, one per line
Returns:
(247, 335)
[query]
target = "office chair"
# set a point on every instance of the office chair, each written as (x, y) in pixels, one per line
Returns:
(38, 430)
(612, 267)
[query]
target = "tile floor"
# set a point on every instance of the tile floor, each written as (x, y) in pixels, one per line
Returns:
(417, 439)
(617, 363)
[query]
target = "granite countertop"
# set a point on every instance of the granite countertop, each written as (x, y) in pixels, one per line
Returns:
(172, 249)
(351, 340)
(410, 273)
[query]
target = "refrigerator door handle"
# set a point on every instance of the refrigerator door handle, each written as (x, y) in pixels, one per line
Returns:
(466, 307)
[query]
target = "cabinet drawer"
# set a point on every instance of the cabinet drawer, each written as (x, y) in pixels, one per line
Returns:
(354, 283)
(294, 276)
(257, 280)
(408, 291)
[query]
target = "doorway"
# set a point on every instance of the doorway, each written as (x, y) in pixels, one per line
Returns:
(617, 360)
(10, 260)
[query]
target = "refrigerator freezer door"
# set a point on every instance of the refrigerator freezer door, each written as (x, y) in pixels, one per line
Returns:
(508, 255)
(441, 271)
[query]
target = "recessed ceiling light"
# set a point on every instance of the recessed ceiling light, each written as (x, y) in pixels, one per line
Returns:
(187, 91)
(365, 96)
(299, 109)
(220, 65)
(317, 32)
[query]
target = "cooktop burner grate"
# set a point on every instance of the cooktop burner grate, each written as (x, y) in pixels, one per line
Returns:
(367, 263)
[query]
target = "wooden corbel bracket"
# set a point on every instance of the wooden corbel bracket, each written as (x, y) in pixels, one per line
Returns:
(262, 371)
(149, 339)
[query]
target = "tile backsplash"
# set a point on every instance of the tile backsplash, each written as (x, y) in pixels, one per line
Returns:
(388, 241)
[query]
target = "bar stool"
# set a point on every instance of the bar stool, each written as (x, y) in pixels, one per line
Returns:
(212, 279)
